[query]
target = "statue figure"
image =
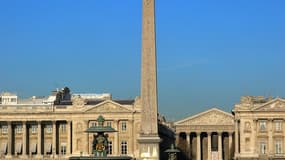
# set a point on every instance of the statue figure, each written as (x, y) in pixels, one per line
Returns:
(100, 145)
(100, 139)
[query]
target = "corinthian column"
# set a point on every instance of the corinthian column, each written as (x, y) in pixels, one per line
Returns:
(198, 146)
(9, 139)
(24, 138)
(230, 144)
(54, 138)
(39, 145)
(209, 146)
(220, 148)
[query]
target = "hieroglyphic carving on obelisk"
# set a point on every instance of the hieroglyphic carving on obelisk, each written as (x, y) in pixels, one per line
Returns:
(149, 139)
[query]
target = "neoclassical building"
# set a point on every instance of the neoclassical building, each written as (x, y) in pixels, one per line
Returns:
(206, 136)
(54, 127)
(254, 130)
(260, 128)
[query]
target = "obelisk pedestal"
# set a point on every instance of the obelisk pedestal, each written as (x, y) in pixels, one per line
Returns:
(149, 139)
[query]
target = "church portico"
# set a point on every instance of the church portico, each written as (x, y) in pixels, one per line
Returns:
(205, 145)
(208, 140)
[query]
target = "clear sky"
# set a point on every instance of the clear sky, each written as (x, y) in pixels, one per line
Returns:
(209, 52)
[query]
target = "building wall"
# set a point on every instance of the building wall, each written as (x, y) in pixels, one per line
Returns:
(260, 124)
(64, 126)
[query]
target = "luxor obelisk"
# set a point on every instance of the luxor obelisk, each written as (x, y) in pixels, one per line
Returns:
(149, 139)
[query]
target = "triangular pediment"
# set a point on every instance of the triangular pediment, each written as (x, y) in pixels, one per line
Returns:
(213, 116)
(108, 106)
(276, 104)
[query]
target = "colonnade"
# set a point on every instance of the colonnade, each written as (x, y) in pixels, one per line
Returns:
(211, 150)
(24, 149)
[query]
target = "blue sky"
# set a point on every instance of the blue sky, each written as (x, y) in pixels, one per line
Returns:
(209, 52)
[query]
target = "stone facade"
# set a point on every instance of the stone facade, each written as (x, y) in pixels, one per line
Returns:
(254, 130)
(260, 125)
(57, 131)
(206, 136)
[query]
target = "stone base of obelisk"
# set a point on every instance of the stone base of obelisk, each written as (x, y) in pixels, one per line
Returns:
(149, 147)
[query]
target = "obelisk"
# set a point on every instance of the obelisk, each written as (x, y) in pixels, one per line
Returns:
(149, 139)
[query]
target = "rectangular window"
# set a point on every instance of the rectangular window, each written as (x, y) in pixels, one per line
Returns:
(278, 126)
(63, 128)
(124, 125)
(13, 100)
(278, 147)
(109, 124)
(4, 129)
(34, 129)
(19, 129)
(263, 148)
(262, 125)
(124, 147)
(63, 149)
(93, 124)
(49, 128)
(110, 148)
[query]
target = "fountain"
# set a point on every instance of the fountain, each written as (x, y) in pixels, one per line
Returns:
(100, 143)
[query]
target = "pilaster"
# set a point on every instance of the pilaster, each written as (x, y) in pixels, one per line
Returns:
(116, 137)
(68, 147)
(254, 136)
(270, 137)
(86, 139)
(236, 138)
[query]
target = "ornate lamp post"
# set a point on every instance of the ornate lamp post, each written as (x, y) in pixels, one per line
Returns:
(172, 153)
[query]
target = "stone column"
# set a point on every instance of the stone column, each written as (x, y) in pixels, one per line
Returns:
(236, 138)
(68, 145)
(188, 144)
(270, 137)
(198, 145)
(9, 123)
(24, 138)
(177, 138)
(230, 144)
(220, 148)
(209, 145)
(132, 122)
(283, 127)
(39, 145)
(54, 138)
